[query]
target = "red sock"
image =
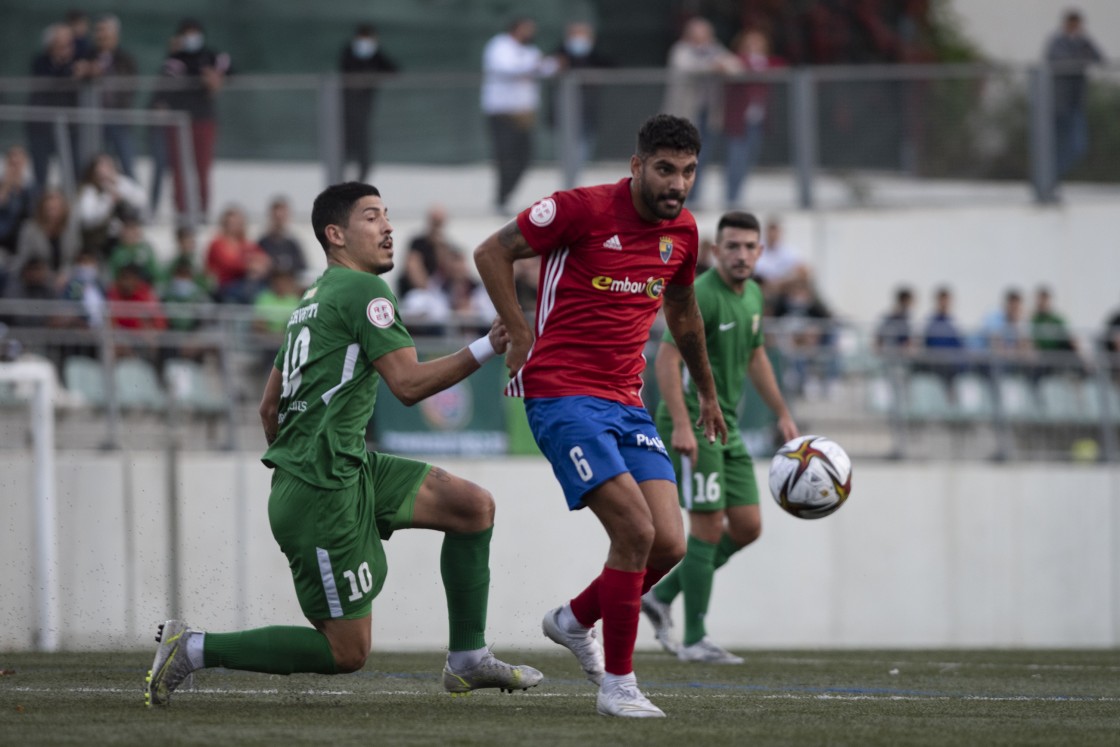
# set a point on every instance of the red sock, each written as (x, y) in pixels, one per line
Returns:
(653, 575)
(585, 605)
(620, 600)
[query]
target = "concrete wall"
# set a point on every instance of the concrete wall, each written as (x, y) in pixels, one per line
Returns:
(922, 555)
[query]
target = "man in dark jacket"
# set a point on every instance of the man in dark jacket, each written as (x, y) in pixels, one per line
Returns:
(362, 55)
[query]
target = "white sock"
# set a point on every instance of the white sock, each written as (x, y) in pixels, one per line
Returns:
(194, 649)
(463, 660)
(614, 680)
(568, 622)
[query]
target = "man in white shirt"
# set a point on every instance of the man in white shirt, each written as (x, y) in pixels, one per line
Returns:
(511, 66)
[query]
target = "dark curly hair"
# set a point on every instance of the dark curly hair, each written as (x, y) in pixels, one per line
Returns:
(664, 131)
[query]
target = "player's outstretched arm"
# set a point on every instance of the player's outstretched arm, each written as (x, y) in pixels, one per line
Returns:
(494, 259)
(667, 367)
(270, 405)
(682, 315)
(411, 380)
(766, 384)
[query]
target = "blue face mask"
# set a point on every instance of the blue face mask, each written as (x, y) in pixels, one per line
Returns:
(85, 274)
(364, 48)
(192, 42)
(578, 46)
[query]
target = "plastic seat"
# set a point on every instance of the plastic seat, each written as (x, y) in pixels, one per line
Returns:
(1016, 399)
(137, 385)
(973, 395)
(880, 395)
(928, 398)
(1061, 401)
(85, 377)
(1102, 401)
(194, 388)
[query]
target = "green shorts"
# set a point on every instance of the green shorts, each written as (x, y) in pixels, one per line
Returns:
(722, 475)
(332, 538)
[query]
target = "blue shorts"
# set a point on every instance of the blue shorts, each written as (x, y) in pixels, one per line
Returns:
(589, 440)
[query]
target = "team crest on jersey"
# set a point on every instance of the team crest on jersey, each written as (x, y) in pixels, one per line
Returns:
(381, 313)
(665, 246)
(543, 213)
(311, 292)
(756, 322)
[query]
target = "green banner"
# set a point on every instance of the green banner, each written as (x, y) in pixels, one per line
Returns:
(467, 419)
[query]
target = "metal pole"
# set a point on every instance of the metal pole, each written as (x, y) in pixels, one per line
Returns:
(65, 156)
(187, 169)
(1044, 167)
(803, 126)
(330, 126)
(47, 572)
(89, 138)
(570, 117)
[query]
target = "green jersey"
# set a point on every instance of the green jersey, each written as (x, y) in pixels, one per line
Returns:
(732, 329)
(343, 323)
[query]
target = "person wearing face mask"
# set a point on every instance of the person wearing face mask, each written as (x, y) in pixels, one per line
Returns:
(579, 51)
(205, 70)
(362, 56)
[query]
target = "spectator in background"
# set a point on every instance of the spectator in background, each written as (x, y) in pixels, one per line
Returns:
(804, 330)
(1007, 337)
(895, 334)
(113, 66)
(144, 313)
(157, 140)
(57, 64)
(52, 234)
(578, 51)
(78, 22)
(34, 281)
(465, 295)
(239, 265)
(182, 295)
(83, 284)
(15, 204)
(274, 305)
(362, 55)
(778, 266)
(278, 242)
(697, 62)
(511, 66)
(1051, 337)
(745, 109)
(1070, 51)
(205, 70)
(186, 252)
(422, 260)
(944, 344)
(132, 248)
(104, 199)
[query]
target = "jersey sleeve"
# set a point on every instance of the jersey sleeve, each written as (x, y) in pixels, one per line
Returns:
(372, 310)
(554, 221)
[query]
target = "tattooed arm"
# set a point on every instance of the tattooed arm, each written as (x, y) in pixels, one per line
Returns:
(684, 320)
(494, 259)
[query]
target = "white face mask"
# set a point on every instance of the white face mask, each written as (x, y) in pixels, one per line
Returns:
(578, 46)
(192, 42)
(364, 48)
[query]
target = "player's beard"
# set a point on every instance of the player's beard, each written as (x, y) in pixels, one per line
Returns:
(652, 201)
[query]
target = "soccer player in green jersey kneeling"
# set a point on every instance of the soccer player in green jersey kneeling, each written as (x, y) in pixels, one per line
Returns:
(332, 503)
(715, 481)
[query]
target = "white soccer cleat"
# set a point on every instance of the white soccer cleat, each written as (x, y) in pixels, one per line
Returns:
(490, 672)
(585, 645)
(624, 699)
(661, 618)
(171, 665)
(709, 653)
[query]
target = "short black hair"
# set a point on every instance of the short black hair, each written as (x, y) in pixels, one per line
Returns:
(664, 131)
(738, 219)
(189, 24)
(333, 207)
(365, 29)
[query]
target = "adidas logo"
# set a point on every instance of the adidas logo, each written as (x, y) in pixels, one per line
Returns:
(613, 243)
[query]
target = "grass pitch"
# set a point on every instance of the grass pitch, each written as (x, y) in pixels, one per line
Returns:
(1014, 697)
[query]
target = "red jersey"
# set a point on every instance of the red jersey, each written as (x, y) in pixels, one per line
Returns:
(603, 271)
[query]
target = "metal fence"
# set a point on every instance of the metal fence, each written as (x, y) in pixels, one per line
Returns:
(897, 134)
(141, 388)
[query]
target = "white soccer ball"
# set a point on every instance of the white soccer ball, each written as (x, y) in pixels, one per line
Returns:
(810, 477)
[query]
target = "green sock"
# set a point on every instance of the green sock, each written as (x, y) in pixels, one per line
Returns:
(697, 570)
(725, 549)
(273, 650)
(464, 564)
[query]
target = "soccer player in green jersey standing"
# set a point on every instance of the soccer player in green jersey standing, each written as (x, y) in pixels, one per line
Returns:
(716, 481)
(332, 503)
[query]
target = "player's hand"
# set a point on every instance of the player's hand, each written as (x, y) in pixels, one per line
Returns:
(711, 420)
(787, 428)
(517, 354)
(499, 335)
(684, 443)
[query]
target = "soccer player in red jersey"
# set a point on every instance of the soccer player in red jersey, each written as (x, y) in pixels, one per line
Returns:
(613, 255)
